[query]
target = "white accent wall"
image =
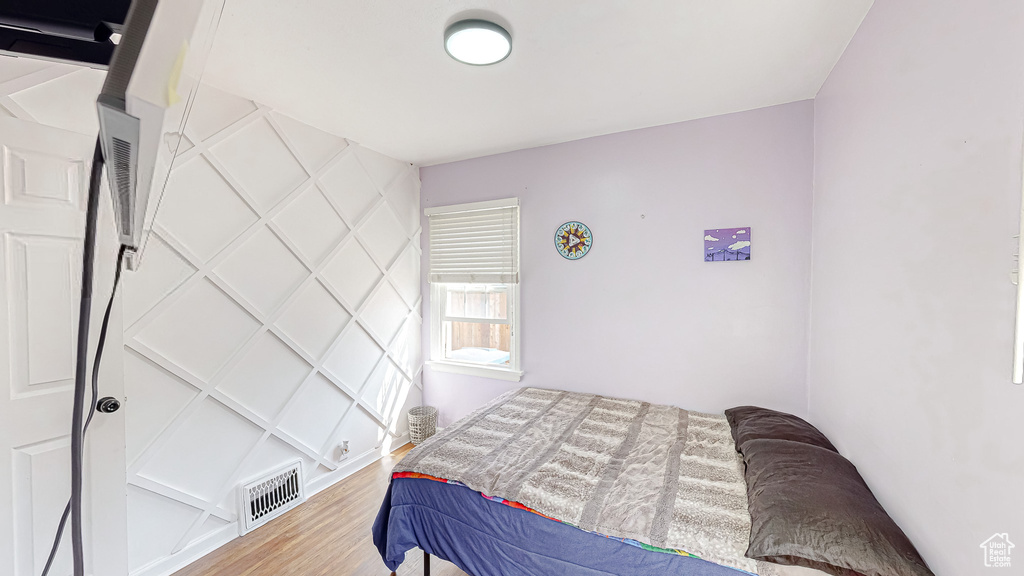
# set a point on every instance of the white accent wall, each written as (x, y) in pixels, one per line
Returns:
(275, 315)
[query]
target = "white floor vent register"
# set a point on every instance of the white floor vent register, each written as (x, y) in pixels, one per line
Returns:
(269, 496)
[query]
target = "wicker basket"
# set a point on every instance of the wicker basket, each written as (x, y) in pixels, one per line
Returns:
(422, 423)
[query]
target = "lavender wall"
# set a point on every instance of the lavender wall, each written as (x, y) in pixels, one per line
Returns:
(642, 315)
(916, 197)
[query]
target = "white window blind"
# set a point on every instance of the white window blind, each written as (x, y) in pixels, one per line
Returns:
(475, 243)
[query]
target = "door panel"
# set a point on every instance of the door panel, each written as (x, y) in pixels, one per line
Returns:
(40, 275)
(44, 175)
(42, 481)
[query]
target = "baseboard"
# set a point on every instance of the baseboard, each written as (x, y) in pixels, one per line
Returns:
(400, 441)
(203, 546)
(348, 467)
(189, 554)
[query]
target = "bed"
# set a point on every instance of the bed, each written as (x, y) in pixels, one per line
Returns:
(551, 482)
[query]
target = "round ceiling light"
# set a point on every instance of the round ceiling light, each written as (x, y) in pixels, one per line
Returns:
(477, 42)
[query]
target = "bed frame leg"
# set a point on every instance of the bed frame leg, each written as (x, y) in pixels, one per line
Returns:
(426, 564)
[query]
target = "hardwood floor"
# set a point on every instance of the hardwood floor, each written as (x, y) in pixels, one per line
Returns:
(328, 535)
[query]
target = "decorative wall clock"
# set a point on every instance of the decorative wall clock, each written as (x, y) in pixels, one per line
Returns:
(573, 240)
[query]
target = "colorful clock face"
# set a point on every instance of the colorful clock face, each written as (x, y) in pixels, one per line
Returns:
(573, 240)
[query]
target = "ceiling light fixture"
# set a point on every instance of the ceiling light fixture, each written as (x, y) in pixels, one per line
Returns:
(477, 42)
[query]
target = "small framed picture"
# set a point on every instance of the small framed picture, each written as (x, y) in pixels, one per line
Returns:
(727, 244)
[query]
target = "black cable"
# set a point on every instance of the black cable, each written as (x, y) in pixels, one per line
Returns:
(56, 539)
(74, 507)
(82, 361)
(95, 398)
(103, 338)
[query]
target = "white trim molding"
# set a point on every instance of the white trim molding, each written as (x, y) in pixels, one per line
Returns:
(476, 370)
(471, 206)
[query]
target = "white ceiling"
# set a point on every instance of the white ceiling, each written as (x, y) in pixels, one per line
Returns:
(377, 72)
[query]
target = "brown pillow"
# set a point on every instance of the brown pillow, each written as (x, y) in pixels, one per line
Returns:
(751, 423)
(810, 507)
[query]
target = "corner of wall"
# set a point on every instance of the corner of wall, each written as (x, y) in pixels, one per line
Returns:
(808, 383)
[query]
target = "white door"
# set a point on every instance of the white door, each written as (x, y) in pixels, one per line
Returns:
(44, 177)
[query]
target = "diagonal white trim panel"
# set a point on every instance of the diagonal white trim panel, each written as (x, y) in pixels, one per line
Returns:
(214, 326)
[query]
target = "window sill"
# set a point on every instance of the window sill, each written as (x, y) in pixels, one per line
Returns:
(476, 370)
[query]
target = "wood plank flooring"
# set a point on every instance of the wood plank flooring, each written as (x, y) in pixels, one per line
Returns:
(328, 535)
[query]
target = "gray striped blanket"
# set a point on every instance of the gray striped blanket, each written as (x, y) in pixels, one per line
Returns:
(656, 474)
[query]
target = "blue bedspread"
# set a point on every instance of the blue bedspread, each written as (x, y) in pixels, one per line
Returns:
(487, 538)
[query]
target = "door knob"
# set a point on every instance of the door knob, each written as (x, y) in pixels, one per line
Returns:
(108, 405)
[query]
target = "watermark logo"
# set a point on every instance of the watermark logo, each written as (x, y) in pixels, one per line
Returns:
(997, 550)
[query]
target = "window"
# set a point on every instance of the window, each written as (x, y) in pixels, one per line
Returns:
(474, 282)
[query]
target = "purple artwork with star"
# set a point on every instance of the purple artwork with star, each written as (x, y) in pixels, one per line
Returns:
(727, 244)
